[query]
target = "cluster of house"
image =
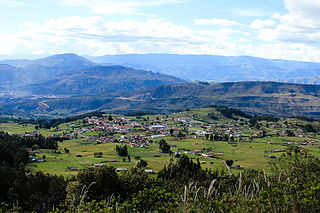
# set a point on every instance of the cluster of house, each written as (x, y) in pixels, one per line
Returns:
(116, 125)
(119, 169)
(309, 143)
(136, 140)
(109, 139)
(34, 158)
(205, 154)
(32, 133)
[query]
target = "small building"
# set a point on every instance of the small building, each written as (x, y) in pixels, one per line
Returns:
(39, 160)
(73, 168)
(155, 127)
(157, 136)
(121, 169)
(200, 132)
(238, 167)
(113, 160)
(149, 171)
(98, 164)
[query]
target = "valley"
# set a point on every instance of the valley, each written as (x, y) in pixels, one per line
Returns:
(162, 106)
(207, 135)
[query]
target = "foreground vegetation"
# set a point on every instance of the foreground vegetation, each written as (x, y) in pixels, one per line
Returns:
(182, 186)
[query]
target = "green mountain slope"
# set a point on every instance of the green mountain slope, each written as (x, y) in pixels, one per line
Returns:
(270, 98)
(101, 79)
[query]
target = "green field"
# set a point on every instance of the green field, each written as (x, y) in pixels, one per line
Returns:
(251, 155)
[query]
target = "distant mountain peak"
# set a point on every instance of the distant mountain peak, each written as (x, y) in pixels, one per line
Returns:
(62, 59)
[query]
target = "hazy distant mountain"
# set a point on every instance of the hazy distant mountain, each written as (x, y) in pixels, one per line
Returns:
(45, 68)
(17, 62)
(216, 68)
(10, 75)
(304, 80)
(101, 79)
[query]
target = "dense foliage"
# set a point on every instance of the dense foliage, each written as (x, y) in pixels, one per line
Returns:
(122, 150)
(293, 186)
(231, 112)
(163, 146)
(13, 148)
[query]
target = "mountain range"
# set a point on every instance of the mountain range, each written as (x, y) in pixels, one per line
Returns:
(68, 84)
(70, 74)
(218, 68)
(266, 98)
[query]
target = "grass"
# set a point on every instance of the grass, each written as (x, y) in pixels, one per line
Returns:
(251, 155)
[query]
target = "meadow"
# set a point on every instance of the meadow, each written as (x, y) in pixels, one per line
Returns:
(80, 155)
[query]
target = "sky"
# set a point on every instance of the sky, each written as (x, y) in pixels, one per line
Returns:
(277, 29)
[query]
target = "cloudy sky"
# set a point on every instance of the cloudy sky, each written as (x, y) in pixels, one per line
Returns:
(285, 29)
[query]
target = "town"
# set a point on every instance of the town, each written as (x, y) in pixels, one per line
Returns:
(206, 134)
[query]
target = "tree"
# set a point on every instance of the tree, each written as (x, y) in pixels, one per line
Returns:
(252, 122)
(66, 150)
(110, 118)
(207, 136)
(163, 146)
(98, 154)
(142, 163)
(171, 132)
(180, 135)
(99, 182)
(122, 150)
(229, 162)
(35, 147)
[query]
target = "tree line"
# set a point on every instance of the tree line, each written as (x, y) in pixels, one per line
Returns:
(13, 147)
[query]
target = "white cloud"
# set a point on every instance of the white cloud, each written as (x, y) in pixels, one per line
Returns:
(215, 21)
(262, 24)
(305, 8)
(118, 6)
(14, 3)
(95, 36)
(299, 52)
(300, 25)
(253, 12)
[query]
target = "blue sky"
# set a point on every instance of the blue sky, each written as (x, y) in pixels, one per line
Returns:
(285, 29)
